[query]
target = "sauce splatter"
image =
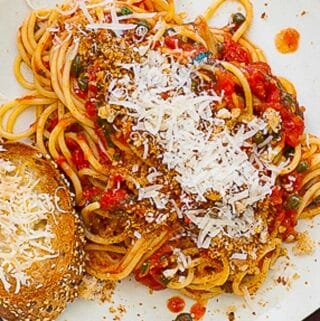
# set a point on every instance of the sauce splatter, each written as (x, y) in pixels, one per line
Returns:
(197, 310)
(176, 304)
(287, 40)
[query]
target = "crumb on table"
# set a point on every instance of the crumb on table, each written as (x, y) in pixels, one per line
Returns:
(304, 245)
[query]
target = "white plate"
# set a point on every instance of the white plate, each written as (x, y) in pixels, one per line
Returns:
(273, 302)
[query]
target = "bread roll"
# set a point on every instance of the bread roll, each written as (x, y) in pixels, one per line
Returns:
(41, 237)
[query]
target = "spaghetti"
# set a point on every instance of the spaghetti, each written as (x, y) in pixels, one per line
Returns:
(186, 153)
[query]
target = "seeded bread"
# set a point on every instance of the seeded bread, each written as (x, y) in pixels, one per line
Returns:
(49, 283)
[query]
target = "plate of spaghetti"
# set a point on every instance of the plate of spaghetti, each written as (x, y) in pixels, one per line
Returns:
(194, 165)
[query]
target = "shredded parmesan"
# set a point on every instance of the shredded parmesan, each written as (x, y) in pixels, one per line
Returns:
(143, 15)
(84, 8)
(111, 26)
(153, 174)
(183, 262)
(239, 256)
(74, 49)
(137, 234)
(23, 225)
(206, 155)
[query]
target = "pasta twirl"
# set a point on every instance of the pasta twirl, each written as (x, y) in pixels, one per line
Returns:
(186, 153)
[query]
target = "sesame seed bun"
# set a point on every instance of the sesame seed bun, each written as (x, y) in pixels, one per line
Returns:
(51, 282)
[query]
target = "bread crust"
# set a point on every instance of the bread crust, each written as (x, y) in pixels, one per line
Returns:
(53, 282)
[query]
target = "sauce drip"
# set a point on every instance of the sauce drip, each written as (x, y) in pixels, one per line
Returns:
(197, 310)
(287, 40)
(176, 304)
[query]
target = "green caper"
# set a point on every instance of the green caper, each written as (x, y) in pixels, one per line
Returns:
(288, 98)
(125, 11)
(315, 202)
(293, 202)
(143, 23)
(83, 82)
(184, 317)
(169, 32)
(238, 18)
(116, 156)
(302, 167)
(194, 85)
(289, 151)
(258, 138)
(164, 280)
(76, 67)
(145, 266)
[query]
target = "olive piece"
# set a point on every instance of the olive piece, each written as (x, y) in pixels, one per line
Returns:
(238, 18)
(125, 11)
(259, 137)
(293, 202)
(76, 67)
(143, 23)
(83, 82)
(184, 317)
(302, 167)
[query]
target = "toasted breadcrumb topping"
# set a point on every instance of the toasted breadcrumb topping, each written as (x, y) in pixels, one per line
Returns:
(304, 245)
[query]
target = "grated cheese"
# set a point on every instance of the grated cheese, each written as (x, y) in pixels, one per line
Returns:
(111, 26)
(239, 256)
(205, 154)
(137, 234)
(74, 49)
(84, 9)
(153, 174)
(23, 225)
(183, 262)
(137, 15)
(149, 191)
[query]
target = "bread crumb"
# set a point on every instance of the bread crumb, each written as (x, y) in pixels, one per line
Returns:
(304, 245)
(262, 303)
(119, 311)
(231, 316)
(264, 16)
(96, 290)
(231, 308)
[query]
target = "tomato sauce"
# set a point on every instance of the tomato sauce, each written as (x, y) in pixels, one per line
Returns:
(91, 109)
(292, 124)
(113, 199)
(150, 272)
(197, 310)
(90, 192)
(52, 123)
(287, 40)
(77, 155)
(234, 52)
(284, 216)
(193, 49)
(262, 83)
(176, 304)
